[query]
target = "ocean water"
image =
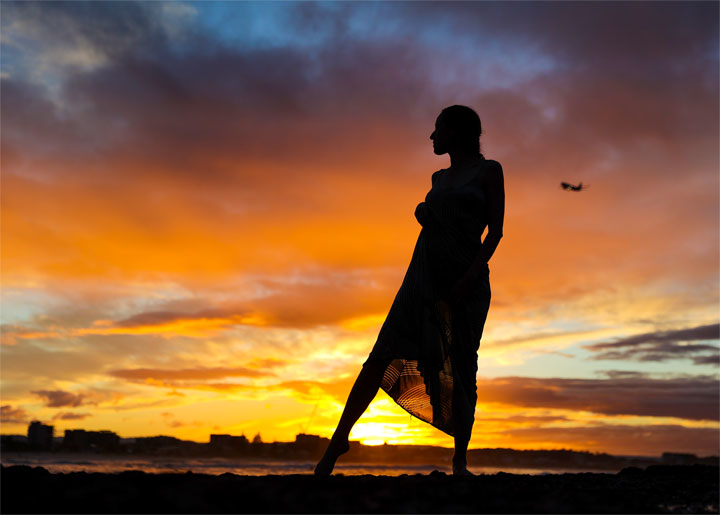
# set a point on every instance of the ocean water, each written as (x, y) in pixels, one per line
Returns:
(73, 462)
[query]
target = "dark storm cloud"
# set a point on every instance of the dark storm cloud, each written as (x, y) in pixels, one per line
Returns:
(626, 78)
(617, 32)
(663, 345)
(621, 73)
(694, 398)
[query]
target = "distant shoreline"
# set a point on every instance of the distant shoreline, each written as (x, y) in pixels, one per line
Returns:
(246, 465)
(657, 489)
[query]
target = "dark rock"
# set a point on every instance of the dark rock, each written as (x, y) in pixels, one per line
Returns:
(631, 471)
(668, 489)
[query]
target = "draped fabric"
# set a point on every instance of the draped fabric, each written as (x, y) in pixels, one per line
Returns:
(429, 347)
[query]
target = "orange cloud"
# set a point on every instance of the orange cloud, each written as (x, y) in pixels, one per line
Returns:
(13, 415)
(11, 333)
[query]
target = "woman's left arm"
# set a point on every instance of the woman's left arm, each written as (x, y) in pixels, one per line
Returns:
(495, 194)
(494, 187)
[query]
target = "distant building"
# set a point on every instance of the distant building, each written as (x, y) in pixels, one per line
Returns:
(81, 440)
(12, 443)
(158, 444)
(310, 442)
(257, 439)
(227, 442)
(40, 436)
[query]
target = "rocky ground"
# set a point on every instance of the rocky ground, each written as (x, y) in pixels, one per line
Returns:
(657, 489)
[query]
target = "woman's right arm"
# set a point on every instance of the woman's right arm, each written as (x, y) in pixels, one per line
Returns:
(422, 213)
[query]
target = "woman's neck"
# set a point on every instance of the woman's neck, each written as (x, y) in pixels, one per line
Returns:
(459, 160)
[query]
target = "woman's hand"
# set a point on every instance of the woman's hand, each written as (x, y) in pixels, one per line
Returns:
(422, 213)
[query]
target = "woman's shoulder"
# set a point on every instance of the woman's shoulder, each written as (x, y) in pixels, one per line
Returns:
(492, 170)
(436, 174)
(492, 164)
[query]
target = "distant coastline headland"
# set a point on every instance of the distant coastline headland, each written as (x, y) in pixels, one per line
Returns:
(311, 447)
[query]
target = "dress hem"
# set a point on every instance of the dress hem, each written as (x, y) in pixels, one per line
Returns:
(419, 418)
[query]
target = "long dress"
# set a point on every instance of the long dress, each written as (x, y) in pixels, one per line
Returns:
(429, 347)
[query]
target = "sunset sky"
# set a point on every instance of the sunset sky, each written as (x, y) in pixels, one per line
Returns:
(207, 210)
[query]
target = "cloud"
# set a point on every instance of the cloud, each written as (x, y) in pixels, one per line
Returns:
(624, 374)
(371, 97)
(303, 299)
(65, 415)
(59, 39)
(10, 415)
(204, 373)
(663, 345)
(520, 420)
(201, 379)
(214, 143)
(169, 420)
(692, 398)
(12, 334)
(62, 398)
(316, 391)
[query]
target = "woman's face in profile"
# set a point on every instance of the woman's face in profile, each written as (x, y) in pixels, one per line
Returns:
(440, 137)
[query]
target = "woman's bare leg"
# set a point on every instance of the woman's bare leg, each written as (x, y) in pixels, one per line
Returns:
(463, 431)
(460, 457)
(363, 392)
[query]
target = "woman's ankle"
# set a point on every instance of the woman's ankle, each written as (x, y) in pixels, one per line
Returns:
(339, 438)
(459, 461)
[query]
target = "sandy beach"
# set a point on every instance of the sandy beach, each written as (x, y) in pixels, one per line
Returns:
(657, 489)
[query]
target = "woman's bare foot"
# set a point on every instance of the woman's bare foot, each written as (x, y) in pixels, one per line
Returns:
(461, 471)
(332, 453)
(460, 468)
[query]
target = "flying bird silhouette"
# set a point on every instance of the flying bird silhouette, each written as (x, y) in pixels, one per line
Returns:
(569, 187)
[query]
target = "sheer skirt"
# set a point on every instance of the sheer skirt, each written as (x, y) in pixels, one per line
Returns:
(431, 372)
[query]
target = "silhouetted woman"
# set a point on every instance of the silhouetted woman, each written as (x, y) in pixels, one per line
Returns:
(425, 356)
